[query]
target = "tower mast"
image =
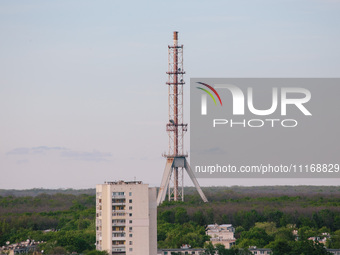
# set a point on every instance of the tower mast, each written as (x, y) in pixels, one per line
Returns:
(172, 180)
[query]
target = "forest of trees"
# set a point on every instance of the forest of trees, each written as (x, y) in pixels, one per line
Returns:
(262, 216)
(23, 218)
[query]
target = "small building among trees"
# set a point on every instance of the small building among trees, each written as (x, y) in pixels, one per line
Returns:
(221, 234)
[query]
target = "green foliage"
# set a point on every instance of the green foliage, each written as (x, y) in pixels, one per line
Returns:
(174, 235)
(263, 217)
(280, 247)
(95, 252)
(247, 219)
(254, 237)
(181, 215)
(57, 250)
(69, 230)
(284, 234)
(334, 242)
(269, 227)
(307, 248)
(243, 207)
(199, 218)
(209, 248)
(166, 216)
(281, 240)
(220, 249)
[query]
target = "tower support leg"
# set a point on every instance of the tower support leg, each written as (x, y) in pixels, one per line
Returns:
(165, 181)
(194, 180)
(172, 165)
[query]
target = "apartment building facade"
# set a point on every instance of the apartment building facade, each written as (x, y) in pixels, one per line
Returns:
(221, 234)
(126, 218)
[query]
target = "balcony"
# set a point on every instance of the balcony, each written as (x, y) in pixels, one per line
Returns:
(118, 196)
(118, 248)
(118, 232)
(119, 224)
(119, 211)
(119, 217)
(118, 238)
(118, 203)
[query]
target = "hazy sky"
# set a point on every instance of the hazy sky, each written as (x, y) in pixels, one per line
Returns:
(83, 98)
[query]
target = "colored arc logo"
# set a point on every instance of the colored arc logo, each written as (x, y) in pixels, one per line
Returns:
(209, 93)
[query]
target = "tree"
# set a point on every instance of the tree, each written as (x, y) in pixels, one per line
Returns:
(210, 216)
(254, 237)
(96, 252)
(280, 247)
(308, 248)
(269, 227)
(334, 242)
(306, 232)
(181, 215)
(284, 234)
(220, 249)
(58, 251)
(209, 248)
(174, 235)
(166, 216)
(199, 218)
(238, 231)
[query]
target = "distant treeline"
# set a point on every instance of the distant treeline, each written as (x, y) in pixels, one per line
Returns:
(36, 192)
(315, 206)
(213, 192)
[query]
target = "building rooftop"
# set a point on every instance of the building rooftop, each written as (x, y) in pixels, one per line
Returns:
(219, 228)
(120, 182)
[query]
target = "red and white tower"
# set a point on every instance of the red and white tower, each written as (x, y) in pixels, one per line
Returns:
(176, 160)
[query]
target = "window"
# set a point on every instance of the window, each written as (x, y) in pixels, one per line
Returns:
(130, 214)
(130, 194)
(130, 235)
(130, 243)
(130, 207)
(118, 194)
(130, 228)
(130, 249)
(130, 221)
(261, 252)
(130, 201)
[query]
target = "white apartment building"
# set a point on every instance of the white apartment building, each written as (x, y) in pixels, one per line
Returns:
(221, 234)
(126, 218)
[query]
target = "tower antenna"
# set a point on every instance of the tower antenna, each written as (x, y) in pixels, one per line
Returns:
(176, 160)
